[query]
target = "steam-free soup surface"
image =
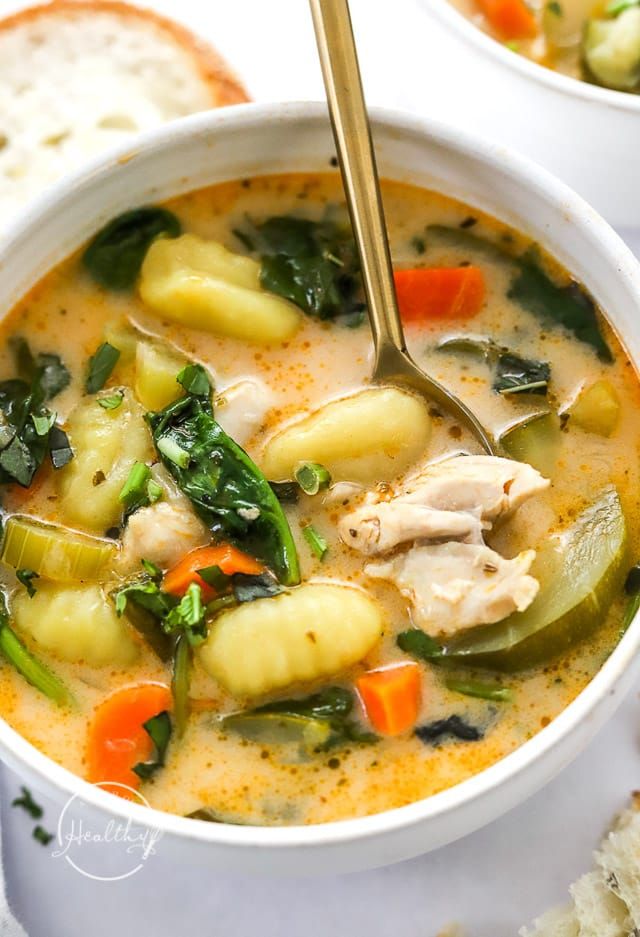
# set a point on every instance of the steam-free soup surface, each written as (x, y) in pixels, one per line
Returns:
(373, 740)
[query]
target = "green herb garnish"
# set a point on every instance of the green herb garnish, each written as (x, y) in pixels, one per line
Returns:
(27, 803)
(42, 835)
(316, 541)
(195, 380)
(158, 728)
(475, 688)
(25, 577)
(312, 477)
(111, 401)
(418, 644)
(101, 364)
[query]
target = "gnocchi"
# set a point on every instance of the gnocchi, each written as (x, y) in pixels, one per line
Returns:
(106, 444)
(371, 436)
(156, 370)
(77, 624)
(314, 631)
(203, 285)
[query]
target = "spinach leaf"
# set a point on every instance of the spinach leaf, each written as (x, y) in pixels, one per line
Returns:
(479, 689)
(418, 644)
(333, 705)
(286, 492)
(227, 490)
(314, 264)
(516, 375)
(317, 544)
(27, 803)
(115, 255)
(158, 728)
(454, 726)
(569, 306)
(632, 582)
(41, 835)
(25, 577)
(45, 372)
(25, 427)
(174, 616)
(248, 588)
(181, 683)
(60, 449)
(100, 366)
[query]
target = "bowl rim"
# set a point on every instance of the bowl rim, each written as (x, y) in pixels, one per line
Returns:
(454, 20)
(46, 771)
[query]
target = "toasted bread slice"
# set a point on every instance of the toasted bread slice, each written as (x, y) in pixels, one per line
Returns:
(560, 922)
(77, 76)
(619, 860)
(599, 910)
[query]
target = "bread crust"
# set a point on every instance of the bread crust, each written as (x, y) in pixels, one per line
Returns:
(224, 87)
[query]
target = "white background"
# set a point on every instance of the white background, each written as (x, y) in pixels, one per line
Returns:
(491, 882)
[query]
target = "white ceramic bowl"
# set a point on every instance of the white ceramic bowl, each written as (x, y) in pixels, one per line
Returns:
(589, 136)
(248, 140)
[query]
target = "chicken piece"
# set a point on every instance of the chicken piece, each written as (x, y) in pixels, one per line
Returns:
(161, 533)
(241, 409)
(455, 586)
(452, 500)
(376, 528)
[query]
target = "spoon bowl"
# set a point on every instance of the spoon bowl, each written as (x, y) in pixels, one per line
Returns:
(356, 156)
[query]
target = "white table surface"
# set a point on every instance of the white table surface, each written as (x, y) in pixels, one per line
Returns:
(491, 882)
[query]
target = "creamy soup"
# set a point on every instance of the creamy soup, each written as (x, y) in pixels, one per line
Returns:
(592, 41)
(244, 580)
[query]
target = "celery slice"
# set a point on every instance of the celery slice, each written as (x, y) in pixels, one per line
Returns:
(55, 552)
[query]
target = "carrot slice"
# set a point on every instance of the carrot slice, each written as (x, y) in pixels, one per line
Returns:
(511, 19)
(228, 558)
(391, 697)
(439, 293)
(117, 739)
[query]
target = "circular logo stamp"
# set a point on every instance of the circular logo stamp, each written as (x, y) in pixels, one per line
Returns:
(109, 851)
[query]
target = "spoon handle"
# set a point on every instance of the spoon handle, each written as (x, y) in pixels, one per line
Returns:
(341, 72)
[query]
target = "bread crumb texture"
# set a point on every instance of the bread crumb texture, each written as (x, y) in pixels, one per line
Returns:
(79, 76)
(606, 901)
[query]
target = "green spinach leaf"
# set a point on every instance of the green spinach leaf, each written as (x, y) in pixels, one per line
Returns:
(314, 264)
(226, 488)
(333, 705)
(115, 255)
(516, 375)
(100, 366)
(158, 728)
(453, 727)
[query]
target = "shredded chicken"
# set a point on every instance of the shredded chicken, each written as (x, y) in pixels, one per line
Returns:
(454, 586)
(161, 533)
(241, 409)
(456, 499)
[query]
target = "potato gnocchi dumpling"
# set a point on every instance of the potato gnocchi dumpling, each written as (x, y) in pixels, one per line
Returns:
(78, 624)
(157, 368)
(368, 437)
(203, 285)
(106, 444)
(314, 631)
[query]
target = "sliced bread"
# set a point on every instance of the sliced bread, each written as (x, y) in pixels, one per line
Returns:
(559, 922)
(619, 860)
(77, 76)
(599, 911)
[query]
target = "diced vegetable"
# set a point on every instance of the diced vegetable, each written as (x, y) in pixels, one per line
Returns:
(114, 256)
(76, 623)
(596, 409)
(312, 477)
(418, 644)
(204, 286)
(511, 19)
(536, 441)
(580, 571)
(391, 697)
(611, 49)
(226, 488)
(107, 444)
(54, 552)
(426, 293)
(117, 739)
(227, 558)
(157, 369)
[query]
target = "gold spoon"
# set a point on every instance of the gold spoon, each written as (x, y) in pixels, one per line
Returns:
(393, 364)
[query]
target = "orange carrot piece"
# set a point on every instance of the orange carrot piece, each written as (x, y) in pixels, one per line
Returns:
(391, 697)
(228, 558)
(511, 19)
(117, 739)
(439, 293)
